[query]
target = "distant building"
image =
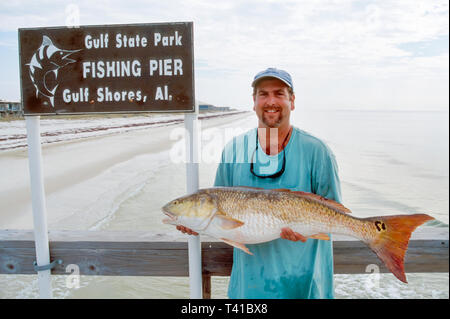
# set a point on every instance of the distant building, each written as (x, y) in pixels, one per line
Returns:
(7, 107)
(202, 106)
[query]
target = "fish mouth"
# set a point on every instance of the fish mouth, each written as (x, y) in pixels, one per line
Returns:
(172, 217)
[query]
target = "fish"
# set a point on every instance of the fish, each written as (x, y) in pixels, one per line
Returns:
(247, 215)
(44, 66)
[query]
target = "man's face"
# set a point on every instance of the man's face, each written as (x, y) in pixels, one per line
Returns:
(273, 103)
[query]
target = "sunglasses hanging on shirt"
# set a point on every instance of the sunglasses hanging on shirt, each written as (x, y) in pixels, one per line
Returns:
(283, 167)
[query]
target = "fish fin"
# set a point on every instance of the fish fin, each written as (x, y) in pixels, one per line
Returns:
(46, 41)
(52, 100)
(282, 190)
(54, 89)
(321, 199)
(226, 222)
(249, 187)
(391, 242)
(237, 245)
(321, 236)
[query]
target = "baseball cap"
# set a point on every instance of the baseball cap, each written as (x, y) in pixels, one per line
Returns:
(274, 73)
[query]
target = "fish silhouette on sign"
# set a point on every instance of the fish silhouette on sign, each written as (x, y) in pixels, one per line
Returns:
(44, 66)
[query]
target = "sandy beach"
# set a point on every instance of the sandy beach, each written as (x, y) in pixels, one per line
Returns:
(75, 161)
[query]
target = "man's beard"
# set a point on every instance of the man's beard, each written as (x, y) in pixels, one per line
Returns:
(269, 121)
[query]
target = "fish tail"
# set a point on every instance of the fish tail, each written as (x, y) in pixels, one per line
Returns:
(392, 237)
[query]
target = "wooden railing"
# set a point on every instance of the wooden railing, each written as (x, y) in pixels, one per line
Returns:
(140, 253)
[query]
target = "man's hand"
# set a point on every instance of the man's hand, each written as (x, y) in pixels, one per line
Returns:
(186, 230)
(289, 234)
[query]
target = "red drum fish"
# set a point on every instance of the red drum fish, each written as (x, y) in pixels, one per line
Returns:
(245, 215)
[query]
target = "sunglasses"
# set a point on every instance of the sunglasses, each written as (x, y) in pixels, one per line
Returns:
(277, 174)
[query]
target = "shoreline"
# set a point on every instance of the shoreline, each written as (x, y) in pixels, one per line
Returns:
(89, 125)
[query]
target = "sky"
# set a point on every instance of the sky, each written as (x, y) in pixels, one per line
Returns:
(341, 54)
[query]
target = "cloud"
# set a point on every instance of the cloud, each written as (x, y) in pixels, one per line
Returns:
(314, 40)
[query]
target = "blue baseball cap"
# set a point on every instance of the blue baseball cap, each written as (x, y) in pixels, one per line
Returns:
(274, 73)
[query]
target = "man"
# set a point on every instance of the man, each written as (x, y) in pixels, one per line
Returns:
(273, 156)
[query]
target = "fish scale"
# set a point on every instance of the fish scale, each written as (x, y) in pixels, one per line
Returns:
(280, 211)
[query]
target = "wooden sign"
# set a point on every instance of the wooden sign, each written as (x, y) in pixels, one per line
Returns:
(107, 69)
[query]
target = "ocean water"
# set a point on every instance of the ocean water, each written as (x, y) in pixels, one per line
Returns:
(389, 163)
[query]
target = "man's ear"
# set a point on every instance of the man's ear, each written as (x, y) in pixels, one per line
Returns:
(292, 102)
(254, 99)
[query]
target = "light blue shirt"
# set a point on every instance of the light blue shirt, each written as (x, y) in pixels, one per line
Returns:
(282, 268)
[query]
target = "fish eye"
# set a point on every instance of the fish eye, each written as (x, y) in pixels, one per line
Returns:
(175, 202)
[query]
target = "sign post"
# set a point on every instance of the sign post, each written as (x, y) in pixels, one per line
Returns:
(192, 185)
(38, 205)
(105, 69)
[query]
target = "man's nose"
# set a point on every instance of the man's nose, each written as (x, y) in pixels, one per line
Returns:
(271, 100)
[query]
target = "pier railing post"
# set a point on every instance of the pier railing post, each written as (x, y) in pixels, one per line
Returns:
(192, 185)
(206, 284)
